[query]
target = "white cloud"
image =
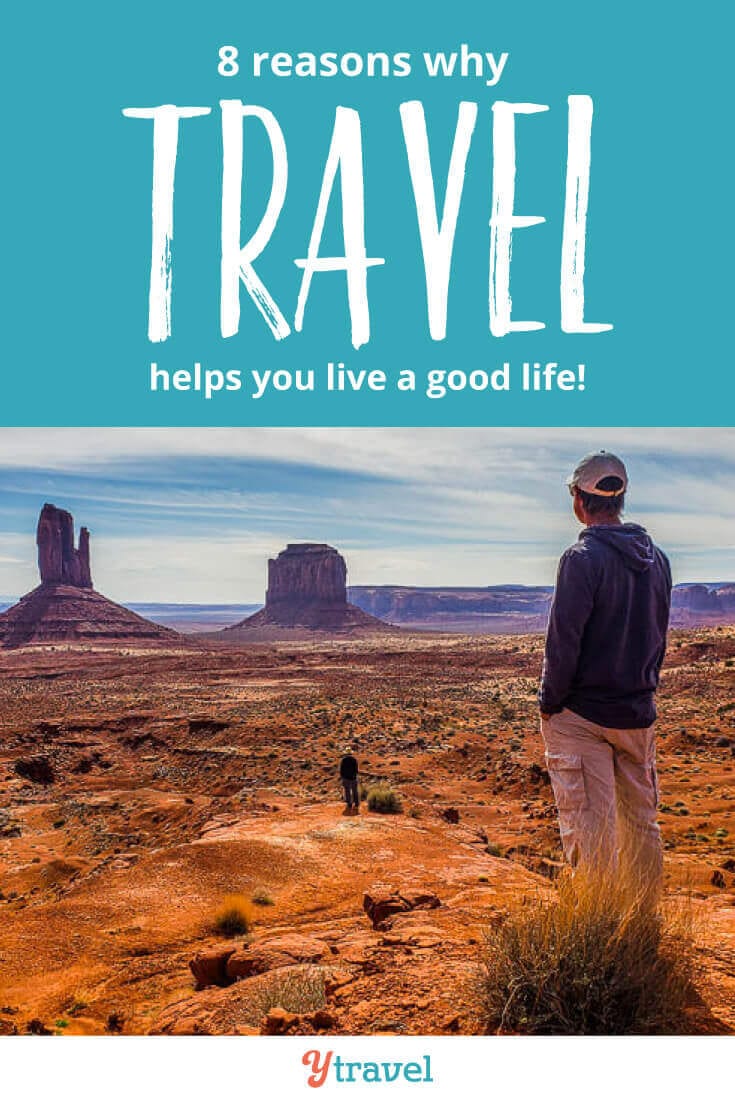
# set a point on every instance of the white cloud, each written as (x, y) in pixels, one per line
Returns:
(470, 506)
(421, 453)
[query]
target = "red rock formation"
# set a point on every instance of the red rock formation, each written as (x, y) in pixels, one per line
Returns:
(59, 561)
(311, 572)
(726, 593)
(69, 613)
(65, 607)
(696, 597)
(307, 589)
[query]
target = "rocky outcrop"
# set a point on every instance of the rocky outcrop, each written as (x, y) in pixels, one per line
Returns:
(381, 904)
(276, 952)
(65, 607)
(696, 598)
(221, 965)
(307, 590)
(404, 604)
(59, 561)
(504, 608)
(697, 604)
(726, 593)
(209, 967)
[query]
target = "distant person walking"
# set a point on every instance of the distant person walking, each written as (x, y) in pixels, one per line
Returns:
(604, 648)
(348, 773)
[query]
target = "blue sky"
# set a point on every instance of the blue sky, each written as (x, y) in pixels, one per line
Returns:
(194, 514)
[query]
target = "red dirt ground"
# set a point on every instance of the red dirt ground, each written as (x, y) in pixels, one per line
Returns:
(139, 786)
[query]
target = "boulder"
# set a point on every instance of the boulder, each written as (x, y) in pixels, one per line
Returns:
(276, 952)
(337, 980)
(38, 769)
(381, 905)
(36, 1027)
(323, 1019)
(419, 899)
(278, 1021)
(209, 967)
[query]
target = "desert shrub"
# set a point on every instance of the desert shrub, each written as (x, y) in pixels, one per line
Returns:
(262, 897)
(589, 960)
(494, 849)
(234, 916)
(383, 798)
(299, 990)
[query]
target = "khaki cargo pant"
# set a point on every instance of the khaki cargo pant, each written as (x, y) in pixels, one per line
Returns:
(606, 792)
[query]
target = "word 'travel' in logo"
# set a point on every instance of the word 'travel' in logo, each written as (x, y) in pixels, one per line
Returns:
(368, 1071)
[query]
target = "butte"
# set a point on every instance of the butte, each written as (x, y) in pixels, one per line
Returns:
(65, 607)
(307, 592)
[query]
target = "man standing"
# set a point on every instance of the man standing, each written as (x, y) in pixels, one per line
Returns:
(348, 776)
(604, 648)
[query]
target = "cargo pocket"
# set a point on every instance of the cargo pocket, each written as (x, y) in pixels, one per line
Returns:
(654, 785)
(567, 780)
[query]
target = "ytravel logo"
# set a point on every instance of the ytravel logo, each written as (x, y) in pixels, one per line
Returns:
(330, 1066)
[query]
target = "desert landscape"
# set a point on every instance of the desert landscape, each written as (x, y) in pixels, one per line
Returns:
(141, 785)
(148, 776)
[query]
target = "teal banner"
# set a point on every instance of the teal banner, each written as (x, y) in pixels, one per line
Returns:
(324, 214)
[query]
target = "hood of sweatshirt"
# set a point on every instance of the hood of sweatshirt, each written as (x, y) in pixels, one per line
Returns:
(631, 541)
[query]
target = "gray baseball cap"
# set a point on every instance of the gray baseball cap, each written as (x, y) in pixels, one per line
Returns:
(594, 469)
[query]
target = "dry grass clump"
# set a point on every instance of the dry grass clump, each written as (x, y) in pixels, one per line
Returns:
(593, 959)
(234, 916)
(263, 897)
(299, 990)
(384, 799)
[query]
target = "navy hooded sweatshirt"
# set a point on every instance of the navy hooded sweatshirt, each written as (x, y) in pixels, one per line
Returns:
(607, 628)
